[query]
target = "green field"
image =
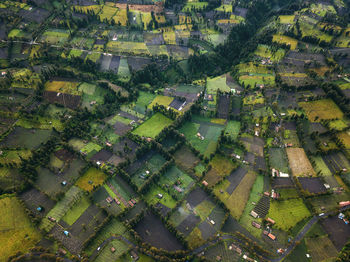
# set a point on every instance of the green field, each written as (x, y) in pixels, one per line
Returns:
(232, 129)
(162, 101)
(210, 132)
(255, 194)
(61, 208)
(153, 126)
(17, 234)
(288, 213)
(76, 211)
(91, 179)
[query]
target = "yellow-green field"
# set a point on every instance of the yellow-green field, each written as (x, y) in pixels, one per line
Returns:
(17, 234)
(91, 179)
(282, 39)
(324, 109)
(63, 87)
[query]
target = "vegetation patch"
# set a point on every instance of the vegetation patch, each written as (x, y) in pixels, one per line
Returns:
(153, 126)
(92, 179)
(17, 234)
(288, 213)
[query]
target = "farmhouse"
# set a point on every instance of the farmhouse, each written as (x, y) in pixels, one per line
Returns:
(344, 203)
(257, 225)
(254, 214)
(273, 237)
(271, 221)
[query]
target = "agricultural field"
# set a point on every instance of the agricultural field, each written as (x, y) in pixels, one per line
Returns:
(153, 126)
(91, 179)
(299, 162)
(17, 232)
(321, 110)
(234, 191)
(288, 213)
(208, 130)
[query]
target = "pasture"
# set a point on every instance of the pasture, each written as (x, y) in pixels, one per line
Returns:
(153, 126)
(17, 234)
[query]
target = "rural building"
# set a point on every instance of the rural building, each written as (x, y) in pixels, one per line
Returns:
(271, 221)
(344, 203)
(254, 214)
(257, 225)
(134, 255)
(273, 237)
(205, 183)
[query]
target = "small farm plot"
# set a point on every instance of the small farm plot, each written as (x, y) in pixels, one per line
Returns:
(10, 179)
(76, 210)
(17, 234)
(14, 156)
(261, 208)
(265, 51)
(113, 228)
(26, 138)
(67, 87)
(220, 167)
(92, 179)
(254, 145)
(282, 39)
(35, 199)
(299, 163)
(142, 169)
(232, 129)
(82, 229)
(151, 230)
(235, 200)
(278, 159)
(344, 137)
(314, 185)
(337, 231)
(153, 126)
(223, 251)
(288, 213)
(202, 134)
(324, 109)
(92, 95)
(119, 247)
(161, 101)
(172, 186)
(321, 248)
(90, 149)
(326, 203)
(197, 218)
(186, 159)
(143, 102)
(55, 36)
(336, 162)
(120, 191)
